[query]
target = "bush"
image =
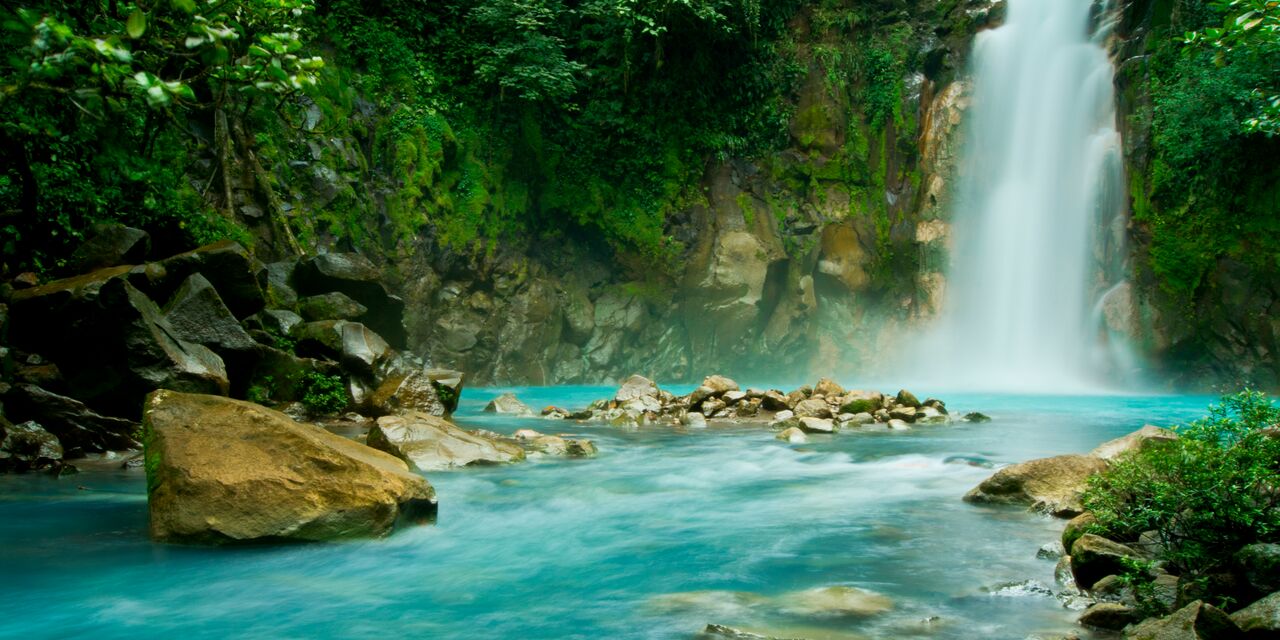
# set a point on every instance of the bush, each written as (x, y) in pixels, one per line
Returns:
(1204, 495)
(324, 394)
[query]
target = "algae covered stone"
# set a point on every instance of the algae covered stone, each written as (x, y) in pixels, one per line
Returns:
(225, 471)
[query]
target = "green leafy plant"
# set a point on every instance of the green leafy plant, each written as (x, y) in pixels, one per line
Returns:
(1203, 495)
(324, 394)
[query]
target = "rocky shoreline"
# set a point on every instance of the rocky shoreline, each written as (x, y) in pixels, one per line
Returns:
(1091, 569)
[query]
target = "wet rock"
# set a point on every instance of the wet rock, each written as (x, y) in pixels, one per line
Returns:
(110, 245)
(905, 414)
(330, 306)
(810, 424)
(907, 399)
(431, 443)
(1148, 434)
(1052, 485)
(794, 435)
(860, 419)
(1260, 619)
(1109, 616)
(1260, 566)
(898, 425)
(835, 601)
(225, 471)
(812, 408)
(976, 417)
(1094, 557)
(79, 429)
(930, 415)
(433, 391)
(1196, 621)
(508, 404)
(562, 447)
(1051, 551)
(28, 447)
(353, 275)
(694, 420)
(197, 314)
(720, 632)
(1075, 528)
(226, 265)
(937, 404)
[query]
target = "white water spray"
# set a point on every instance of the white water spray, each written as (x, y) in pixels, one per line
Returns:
(1041, 168)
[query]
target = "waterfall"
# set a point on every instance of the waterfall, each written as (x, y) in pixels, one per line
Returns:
(1040, 172)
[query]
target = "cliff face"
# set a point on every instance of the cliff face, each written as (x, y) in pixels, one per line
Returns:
(815, 258)
(1224, 331)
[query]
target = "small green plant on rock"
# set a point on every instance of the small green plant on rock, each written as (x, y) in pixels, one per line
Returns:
(324, 394)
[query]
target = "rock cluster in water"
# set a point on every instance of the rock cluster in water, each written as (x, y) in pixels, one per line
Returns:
(825, 407)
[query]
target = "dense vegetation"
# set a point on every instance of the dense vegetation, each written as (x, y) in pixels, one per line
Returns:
(1201, 497)
(1212, 189)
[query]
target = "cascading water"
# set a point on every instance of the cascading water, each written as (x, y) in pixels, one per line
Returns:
(1041, 169)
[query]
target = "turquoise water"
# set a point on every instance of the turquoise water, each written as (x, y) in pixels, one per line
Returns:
(589, 548)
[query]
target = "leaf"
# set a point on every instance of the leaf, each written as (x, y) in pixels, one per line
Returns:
(136, 25)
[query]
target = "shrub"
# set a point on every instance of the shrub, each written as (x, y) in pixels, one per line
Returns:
(324, 394)
(1204, 495)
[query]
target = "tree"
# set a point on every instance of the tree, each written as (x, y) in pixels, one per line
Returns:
(1249, 35)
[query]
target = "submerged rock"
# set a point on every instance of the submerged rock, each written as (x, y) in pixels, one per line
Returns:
(835, 601)
(1052, 485)
(431, 443)
(816, 425)
(225, 471)
(794, 435)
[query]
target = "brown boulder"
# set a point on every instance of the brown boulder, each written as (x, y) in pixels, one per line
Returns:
(1052, 485)
(1196, 621)
(431, 443)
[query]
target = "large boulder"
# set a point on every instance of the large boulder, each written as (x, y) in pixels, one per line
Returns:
(197, 314)
(1260, 566)
(828, 388)
(1111, 616)
(812, 408)
(1112, 449)
(431, 443)
(227, 265)
(351, 343)
(78, 428)
(110, 245)
(27, 447)
(353, 275)
(1196, 621)
(1095, 557)
(433, 391)
(225, 471)
(331, 306)
(635, 387)
(1052, 485)
(1075, 528)
(1260, 619)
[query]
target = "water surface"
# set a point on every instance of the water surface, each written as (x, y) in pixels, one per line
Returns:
(588, 548)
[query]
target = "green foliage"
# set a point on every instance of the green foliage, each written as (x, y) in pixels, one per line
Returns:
(324, 394)
(262, 392)
(1205, 494)
(1249, 35)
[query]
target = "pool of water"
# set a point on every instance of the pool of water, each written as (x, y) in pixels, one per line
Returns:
(596, 548)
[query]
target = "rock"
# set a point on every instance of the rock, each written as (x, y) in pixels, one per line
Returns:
(810, 424)
(782, 416)
(48, 376)
(794, 435)
(27, 447)
(905, 414)
(278, 322)
(433, 391)
(1094, 557)
(1053, 485)
(1196, 621)
(1260, 566)
(718, 631)
(508, 404)
(110, 245)
(526, 434)
(330, 306)
(733, 397)
(564, 447)
(225, 264)
(356, 277)
(795, 397)
(1112, 589)
(907, 399)
(719, 384)
(1075, 528)
(431, 443)
(937, 404)
(25, 280)
(976, 417)
(711, 407)
(1112, 449)
(280, 292)
(861, 419)
(930, 415)
(352, 343)
(280, 376)
(1260, 619)
(78, 428)
(226, 471)
(838, 601)
(636, 386)
(862, 402)
(899, 425)
(773, 400)
(694, 420)
(812, 408)
(828, 388)
(1109, 616)
(197, 314)
(1051, 551)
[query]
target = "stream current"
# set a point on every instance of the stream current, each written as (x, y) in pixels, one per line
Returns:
(652, 539)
